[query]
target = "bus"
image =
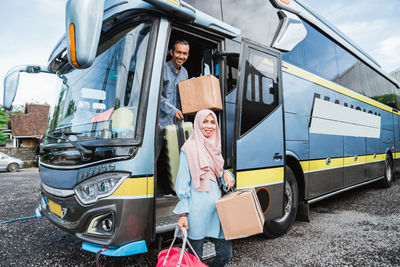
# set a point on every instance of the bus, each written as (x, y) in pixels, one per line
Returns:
(306, 114)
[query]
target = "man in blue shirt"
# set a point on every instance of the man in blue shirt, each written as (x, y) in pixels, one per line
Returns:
(174, 72)
(170, 105)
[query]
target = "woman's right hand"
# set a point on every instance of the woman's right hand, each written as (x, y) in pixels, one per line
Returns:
(183, 222)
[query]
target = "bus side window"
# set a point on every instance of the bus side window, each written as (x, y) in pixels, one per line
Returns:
(260, 95)
(267, 90)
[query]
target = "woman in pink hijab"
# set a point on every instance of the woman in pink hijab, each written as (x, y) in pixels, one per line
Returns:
(201, 164)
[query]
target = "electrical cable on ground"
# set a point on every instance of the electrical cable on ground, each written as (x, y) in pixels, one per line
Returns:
(19, 219)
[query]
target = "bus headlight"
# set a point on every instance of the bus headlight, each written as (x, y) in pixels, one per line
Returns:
(99, 186)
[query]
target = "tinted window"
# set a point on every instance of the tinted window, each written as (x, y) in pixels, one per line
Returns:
(322, 56)
(260, 92)
(268, 96)
(345, 60)
(352, 78)
(296, 56)
(102, 102)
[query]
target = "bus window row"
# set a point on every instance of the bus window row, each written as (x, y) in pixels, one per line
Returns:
(322, 56)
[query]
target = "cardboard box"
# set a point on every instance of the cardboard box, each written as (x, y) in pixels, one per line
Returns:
(240, 214)
(200, 93)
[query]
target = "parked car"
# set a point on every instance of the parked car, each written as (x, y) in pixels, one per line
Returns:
(9, 163)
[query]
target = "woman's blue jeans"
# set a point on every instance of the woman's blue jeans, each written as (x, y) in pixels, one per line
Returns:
(223, 249)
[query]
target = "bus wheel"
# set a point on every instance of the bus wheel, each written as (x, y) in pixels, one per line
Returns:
(389, 175)
(279, 227)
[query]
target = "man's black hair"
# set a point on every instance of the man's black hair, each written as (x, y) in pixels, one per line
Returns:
(181, 42)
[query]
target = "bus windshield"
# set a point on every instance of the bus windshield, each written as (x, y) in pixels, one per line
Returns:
(102, 102)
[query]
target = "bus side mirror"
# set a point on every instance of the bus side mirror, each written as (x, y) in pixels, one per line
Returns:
(84, 20)
(291, 32)
(12, 79)
(10, 88)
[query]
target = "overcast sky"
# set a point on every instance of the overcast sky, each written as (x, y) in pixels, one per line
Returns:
(31, 28)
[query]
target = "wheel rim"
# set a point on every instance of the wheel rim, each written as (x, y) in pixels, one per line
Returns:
(388, 172)
(13, 167)
(288, 204)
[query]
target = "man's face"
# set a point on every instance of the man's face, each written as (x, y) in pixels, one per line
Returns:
(179, 55)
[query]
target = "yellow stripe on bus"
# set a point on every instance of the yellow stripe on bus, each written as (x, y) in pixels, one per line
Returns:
(305, 165)
(348, 161)
(135, 187)
(335, 87)
(321, 164)
(379, 157)
(259, 177)
(150, 185)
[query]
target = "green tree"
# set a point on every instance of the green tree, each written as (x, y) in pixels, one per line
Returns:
(4, 118)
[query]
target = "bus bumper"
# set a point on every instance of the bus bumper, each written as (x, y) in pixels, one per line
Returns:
(129, 220)
(126, 250)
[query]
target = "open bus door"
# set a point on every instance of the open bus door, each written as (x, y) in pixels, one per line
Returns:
(259, 146)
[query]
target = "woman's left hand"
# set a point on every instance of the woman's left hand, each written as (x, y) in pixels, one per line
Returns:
(228, 180)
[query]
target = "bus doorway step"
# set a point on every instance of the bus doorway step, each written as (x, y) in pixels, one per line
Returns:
(166, 224)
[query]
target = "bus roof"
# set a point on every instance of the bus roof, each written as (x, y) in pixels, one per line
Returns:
(180, 10)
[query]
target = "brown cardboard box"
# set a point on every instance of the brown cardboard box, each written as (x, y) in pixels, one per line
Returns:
(240, 214)
(200, 93)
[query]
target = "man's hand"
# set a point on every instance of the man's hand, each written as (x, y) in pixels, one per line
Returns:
(179, 115)
(183, 222)
(228, 180)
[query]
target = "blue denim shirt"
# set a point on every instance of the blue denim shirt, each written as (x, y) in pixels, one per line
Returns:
(170, 100)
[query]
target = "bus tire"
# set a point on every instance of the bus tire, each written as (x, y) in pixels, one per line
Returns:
(389, 174)
(12, 167)
(280, 226)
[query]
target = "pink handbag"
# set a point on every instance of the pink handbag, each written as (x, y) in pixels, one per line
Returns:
(178, 256)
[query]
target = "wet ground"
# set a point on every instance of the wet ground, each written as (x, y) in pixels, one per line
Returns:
(357, 228)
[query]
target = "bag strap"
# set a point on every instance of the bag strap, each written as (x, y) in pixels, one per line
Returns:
(185, 241)
(169, 250)
(223, 187)
(184, 235)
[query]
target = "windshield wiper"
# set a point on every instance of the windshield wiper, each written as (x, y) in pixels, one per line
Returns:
(85, 153)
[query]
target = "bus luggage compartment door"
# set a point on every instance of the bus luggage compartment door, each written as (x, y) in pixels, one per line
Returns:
(259, 158)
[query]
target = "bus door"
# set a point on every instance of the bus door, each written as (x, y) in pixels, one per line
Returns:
(259, 146)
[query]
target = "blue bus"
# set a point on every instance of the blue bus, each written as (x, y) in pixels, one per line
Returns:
(307, 113)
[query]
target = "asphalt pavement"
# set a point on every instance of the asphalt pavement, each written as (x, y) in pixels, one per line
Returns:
(360, 227)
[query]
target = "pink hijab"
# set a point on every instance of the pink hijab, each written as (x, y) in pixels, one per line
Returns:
(204, 154)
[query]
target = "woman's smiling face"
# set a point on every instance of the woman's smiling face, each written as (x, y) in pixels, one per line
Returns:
(208, 126)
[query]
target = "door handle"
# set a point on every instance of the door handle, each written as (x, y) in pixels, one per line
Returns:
(278, 156)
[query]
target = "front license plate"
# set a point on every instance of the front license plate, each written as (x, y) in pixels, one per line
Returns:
(55, 208)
